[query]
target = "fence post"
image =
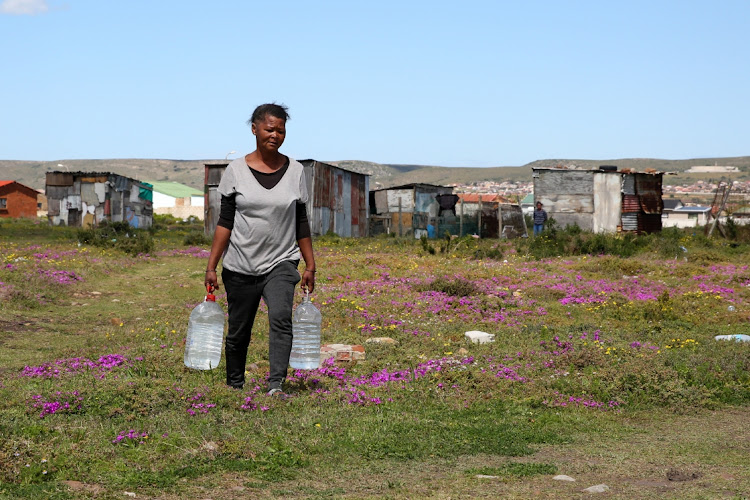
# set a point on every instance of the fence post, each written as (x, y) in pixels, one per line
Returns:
(499, 221)
(400, 214)
(461, 221)
(479, 218)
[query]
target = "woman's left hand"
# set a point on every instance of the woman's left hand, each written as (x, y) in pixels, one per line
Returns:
(308, 281)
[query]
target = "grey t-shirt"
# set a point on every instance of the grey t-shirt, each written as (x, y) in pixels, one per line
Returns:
(264, 232)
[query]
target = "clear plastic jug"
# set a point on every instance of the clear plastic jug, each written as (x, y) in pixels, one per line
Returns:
(205, 334)
(306, 323)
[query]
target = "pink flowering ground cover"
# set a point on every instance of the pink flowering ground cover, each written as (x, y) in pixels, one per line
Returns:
(580, 343)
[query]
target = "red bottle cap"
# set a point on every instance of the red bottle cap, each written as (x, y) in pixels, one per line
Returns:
(210, 296)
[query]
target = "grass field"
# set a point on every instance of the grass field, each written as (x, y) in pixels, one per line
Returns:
(604, 368)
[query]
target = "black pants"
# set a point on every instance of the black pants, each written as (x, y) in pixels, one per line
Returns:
(243, 298)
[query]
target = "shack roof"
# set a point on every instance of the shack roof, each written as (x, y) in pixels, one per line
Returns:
(310, 161)
(415, 185)
(174, 189)
(93, 174)
(648, 171)
(671, 203)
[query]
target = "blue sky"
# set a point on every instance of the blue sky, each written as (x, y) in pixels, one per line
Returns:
(451, 83)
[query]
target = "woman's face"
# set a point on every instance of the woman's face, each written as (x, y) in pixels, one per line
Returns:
(269, 133)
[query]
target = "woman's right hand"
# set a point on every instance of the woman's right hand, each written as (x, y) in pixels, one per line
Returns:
(218, 247)
(211, 279)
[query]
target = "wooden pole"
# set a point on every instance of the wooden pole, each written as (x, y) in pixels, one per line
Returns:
(499, 221)
(461, 221)
(479, 218)
(400, 224)
(725, 197)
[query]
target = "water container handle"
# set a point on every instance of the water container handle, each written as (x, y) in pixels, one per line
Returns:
(210, 288)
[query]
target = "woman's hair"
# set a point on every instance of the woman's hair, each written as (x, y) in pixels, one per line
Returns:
(276, 110)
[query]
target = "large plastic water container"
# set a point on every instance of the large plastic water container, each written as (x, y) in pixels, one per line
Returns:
(306, 341)
(737, 337)
(205, 335)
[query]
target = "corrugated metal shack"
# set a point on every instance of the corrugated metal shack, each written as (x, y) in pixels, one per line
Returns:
(338, 199)
(601, 200)
(84, 199)
(406, 209)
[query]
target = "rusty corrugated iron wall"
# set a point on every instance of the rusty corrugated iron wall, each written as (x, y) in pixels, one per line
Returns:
(648, 188)
(339, 201)
(630, 203)
(211, 196)
(642, 203)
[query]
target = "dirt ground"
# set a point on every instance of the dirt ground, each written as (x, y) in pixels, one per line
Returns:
(702, 455)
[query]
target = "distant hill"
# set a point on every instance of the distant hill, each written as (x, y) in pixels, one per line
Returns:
(191, 172)
(385, 175)
(397, 174)
(32, 173)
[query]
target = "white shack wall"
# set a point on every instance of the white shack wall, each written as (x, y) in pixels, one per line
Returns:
(607, 202)
(405, 195)
(680, 222)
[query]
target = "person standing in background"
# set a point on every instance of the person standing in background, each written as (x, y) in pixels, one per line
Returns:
(540, 217)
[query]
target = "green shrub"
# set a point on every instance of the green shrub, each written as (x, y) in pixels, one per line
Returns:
(196, 239)
(572, 240)
(118, 235)
(426, 246)
(494, 253)
(457, 287)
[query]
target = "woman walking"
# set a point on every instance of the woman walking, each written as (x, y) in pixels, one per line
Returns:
(261, 233)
